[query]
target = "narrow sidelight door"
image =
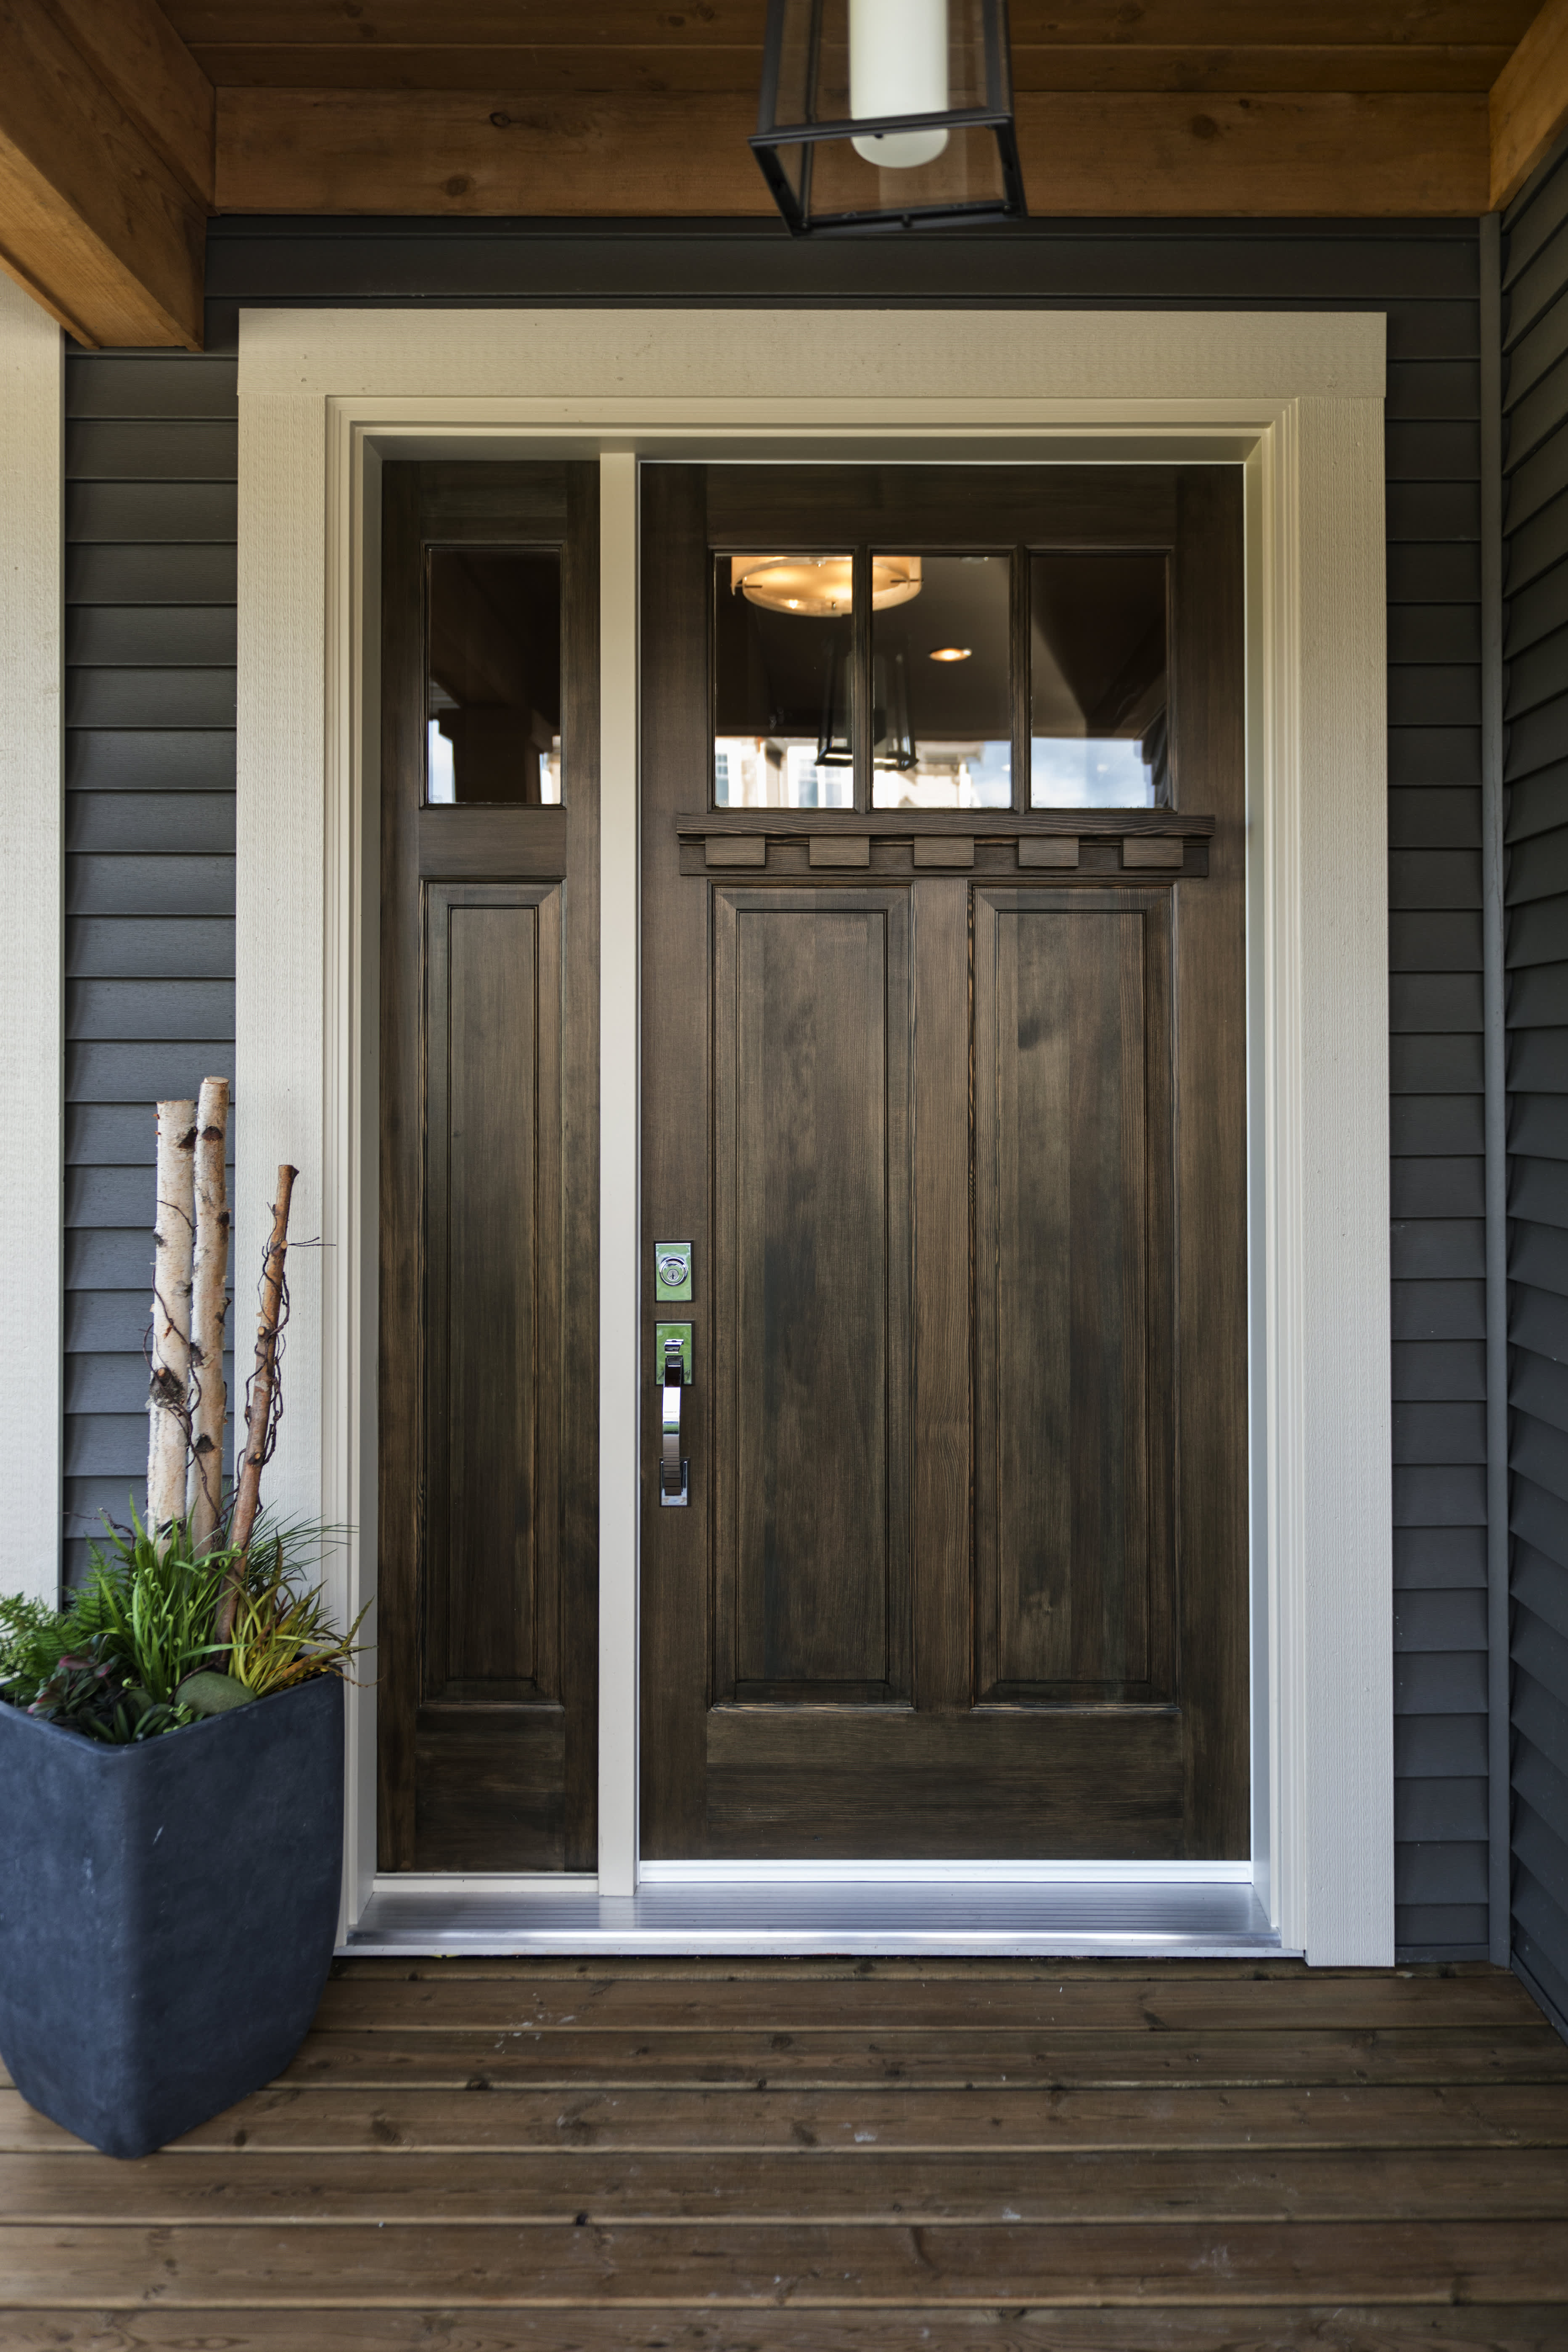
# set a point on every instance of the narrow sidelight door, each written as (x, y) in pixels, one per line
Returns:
(943, 1036)
(488, 1167)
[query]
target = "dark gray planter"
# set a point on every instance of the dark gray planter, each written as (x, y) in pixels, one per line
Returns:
(167, 1911)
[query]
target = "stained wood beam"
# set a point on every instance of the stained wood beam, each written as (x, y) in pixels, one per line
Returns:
(106, 168)
(1529, 103)
(1084, 153)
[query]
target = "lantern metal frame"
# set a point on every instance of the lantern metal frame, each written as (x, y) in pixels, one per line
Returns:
(995, 115)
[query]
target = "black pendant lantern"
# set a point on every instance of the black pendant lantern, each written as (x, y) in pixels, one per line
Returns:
(888, 114)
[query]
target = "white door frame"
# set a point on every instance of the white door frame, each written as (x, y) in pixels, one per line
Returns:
(1298, 399)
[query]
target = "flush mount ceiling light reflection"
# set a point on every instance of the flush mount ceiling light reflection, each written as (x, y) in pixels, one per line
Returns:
(888, 113)
(820, 587)
(950, 653)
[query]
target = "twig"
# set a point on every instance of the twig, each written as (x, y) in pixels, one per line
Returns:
(261, 1411)
(209, 1395)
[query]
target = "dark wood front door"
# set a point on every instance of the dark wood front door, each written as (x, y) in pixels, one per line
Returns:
(488, 1597)
(942, 1045)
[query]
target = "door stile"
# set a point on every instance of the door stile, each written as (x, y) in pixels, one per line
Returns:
(1210, 1253)
(943, 1335)
(675, 767)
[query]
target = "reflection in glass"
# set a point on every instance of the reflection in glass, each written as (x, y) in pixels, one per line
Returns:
(493, 723)
(1097, 686)
(942, 702)
(782, 646)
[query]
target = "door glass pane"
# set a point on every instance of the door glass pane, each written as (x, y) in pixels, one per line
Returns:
(1097, 690)
(783, 650)
(493, 714)
(941, 703)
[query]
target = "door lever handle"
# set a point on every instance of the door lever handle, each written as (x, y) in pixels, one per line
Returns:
(674, 1482)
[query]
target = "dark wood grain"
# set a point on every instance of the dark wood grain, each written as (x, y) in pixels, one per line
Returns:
(1041, 1709)
(827, 2155)
(905, 824)
(1042, 1704)
(1071, 1136)
(488, 940)
(676, 1612)
(1210, 1234)
(493, 1157)
(812, 1022)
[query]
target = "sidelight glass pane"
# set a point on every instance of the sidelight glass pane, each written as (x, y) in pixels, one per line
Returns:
(783, 651)
(1098, 684)
(941, 703)
(493, 693)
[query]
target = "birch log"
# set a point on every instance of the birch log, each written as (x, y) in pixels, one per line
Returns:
(168, 1437)
(259, 1405)
(209, 1303)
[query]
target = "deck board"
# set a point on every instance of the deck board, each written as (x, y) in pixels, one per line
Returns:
(834, 2157)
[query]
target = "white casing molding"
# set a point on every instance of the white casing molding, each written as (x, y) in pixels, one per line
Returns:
(32, 878)
(1298, 399)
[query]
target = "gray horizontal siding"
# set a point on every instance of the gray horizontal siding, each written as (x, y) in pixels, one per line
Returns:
(151, 571)
(149, 645)
(1535, 708)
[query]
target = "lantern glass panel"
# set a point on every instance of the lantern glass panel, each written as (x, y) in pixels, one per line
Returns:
(967, 172)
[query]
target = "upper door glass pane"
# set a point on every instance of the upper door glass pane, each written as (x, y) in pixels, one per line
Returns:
(784, 638)
(493, 710)
(942, 705)
(1097, 686)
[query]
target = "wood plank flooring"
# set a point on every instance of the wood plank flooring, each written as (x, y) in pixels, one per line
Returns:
(834, 2157)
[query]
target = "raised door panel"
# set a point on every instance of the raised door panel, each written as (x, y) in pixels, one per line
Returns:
(812, 1029)
(487, 1549)
(1072, 1154)
(493, 1129)
(489, 1733)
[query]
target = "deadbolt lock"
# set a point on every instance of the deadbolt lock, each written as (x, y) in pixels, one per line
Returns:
(671, 1270)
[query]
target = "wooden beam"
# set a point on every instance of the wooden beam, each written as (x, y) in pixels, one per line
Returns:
(94, 221)
(1529, 103)
(141, 61)
(459, 152)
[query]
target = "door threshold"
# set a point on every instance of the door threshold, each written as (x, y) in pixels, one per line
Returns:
(1083, 1917)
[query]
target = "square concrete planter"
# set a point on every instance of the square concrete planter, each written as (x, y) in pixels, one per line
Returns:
(167, 1911)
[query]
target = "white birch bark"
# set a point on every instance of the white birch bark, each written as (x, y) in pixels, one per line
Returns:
(209, 1305)
(174, 1237)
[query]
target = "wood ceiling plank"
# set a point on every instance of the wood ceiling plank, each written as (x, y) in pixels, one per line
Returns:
(567, 71)
(1530, 102)
(92, 221)
(138, 58)
(322, 150)
(610, 23)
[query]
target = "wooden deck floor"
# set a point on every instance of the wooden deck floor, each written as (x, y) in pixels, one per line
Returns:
(821, 2157)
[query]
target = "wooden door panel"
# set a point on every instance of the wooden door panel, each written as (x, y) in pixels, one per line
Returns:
(493, 1145)
(811, 1044)
(991, 1785)
(1071, 1144)
(963, 1157)
(487, 1297)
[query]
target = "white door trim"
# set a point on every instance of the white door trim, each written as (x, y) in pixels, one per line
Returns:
(1298, 398)
(32, 933)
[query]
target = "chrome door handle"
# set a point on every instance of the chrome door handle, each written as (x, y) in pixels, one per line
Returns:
(674, 1484)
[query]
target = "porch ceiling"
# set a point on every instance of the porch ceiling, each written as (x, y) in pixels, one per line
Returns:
(124, 125)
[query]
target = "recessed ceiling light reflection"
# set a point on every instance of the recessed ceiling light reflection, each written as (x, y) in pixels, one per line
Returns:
(951, 653)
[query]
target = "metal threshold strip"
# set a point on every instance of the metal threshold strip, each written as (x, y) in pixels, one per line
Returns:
(1177, 1912)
